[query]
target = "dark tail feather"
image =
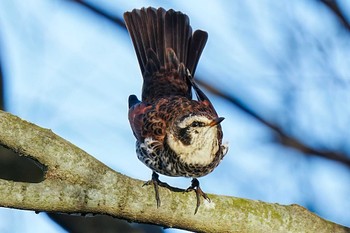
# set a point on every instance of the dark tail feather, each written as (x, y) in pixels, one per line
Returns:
(199, 39)
(154, 31)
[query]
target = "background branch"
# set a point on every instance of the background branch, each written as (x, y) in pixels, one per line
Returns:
(76, 182)
(333, 6)
(282, 136)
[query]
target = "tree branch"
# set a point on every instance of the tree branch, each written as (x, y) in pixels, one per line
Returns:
(75, 182)
(117, 20)
(333, 6)
(283, 137)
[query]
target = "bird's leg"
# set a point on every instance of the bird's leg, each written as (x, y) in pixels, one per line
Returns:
(156, 182)
(195, 186)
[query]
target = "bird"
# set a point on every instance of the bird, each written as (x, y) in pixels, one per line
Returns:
(177, 135)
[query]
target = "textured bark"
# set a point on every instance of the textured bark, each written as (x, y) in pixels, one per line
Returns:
(76, 182)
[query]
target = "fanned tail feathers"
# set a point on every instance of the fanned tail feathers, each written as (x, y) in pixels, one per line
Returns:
(164, 39)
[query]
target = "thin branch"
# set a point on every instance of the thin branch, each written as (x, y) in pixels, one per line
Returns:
(333, 6)
(117, 20)
(282, 136)
(75, 182)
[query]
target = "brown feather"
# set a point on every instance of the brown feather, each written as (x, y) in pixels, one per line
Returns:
(163, 40)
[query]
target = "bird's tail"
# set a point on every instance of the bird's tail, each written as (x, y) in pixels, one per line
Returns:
(163, 39)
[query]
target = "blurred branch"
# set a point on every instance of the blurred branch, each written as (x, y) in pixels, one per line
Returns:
(100, 223)
(335, 9)
(94, 9)
(76, 182)
(283, 137)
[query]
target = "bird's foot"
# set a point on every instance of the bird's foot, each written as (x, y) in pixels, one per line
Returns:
(156, 182)
(199, 192)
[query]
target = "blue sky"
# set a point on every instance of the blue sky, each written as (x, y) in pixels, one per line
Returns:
(71, 71)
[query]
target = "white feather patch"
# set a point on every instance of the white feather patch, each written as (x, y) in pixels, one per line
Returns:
(203, 147)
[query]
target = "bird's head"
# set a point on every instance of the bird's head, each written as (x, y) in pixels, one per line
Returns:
(194, 138)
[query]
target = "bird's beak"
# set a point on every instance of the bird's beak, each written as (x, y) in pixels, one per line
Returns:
(216, 121)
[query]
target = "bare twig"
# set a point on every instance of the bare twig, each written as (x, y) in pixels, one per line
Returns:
(282, 136)
(75, 182)
(333, 6)
(117, 20)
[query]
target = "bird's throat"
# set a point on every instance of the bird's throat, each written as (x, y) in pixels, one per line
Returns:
(201, 151)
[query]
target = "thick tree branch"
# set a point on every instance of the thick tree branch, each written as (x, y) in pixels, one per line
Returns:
(75, 182)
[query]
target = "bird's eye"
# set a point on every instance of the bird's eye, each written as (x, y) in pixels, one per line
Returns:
(197, 124)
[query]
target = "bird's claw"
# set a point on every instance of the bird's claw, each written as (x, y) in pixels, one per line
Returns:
(199, 192)
(155, 181)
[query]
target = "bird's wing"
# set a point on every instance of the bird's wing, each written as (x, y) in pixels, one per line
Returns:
(146, 122)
